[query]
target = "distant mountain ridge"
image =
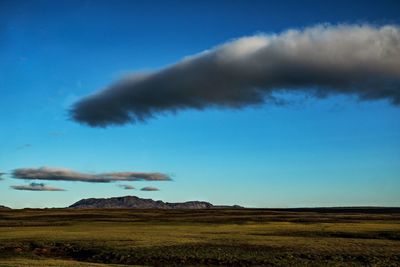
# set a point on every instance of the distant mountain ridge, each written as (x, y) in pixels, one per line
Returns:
(134, 202)
(4, 207)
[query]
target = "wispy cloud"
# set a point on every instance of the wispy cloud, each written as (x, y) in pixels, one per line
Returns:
(126, 187)
(36, 187)
(60, 174)
(149, 188)
(56, 134)
(360, 60)
(24, 146)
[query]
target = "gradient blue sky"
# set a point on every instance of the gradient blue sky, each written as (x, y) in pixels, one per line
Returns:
(331, 152)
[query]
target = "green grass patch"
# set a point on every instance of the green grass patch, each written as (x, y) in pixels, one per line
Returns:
(193, 237)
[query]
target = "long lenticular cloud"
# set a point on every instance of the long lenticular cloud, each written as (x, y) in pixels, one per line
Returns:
(360, 60)
(150, 188)
(58, 174)
(36, 187)
(136, 176)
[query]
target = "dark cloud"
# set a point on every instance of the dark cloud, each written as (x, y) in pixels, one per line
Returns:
(126, 187)
(360, 60)
(149, 188)
(36, 187)
(58, 174)
(1, 174)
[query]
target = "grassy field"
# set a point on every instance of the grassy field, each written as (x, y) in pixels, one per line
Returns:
(237, 237)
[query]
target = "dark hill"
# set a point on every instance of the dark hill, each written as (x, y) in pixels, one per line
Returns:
(4, 207)
(139, 203)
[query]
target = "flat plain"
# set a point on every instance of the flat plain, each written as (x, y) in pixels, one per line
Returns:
(233, 237)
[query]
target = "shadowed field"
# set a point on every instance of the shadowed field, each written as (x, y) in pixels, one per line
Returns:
(299, 237)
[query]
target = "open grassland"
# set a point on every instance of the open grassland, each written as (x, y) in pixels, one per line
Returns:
(328, 237)
(39, 262)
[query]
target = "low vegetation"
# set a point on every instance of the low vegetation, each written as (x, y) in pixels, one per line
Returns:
(235, 237)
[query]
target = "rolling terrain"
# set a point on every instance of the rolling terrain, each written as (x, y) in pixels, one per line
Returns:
(179, 237)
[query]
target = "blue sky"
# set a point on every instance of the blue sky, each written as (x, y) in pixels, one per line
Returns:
(318, 152)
